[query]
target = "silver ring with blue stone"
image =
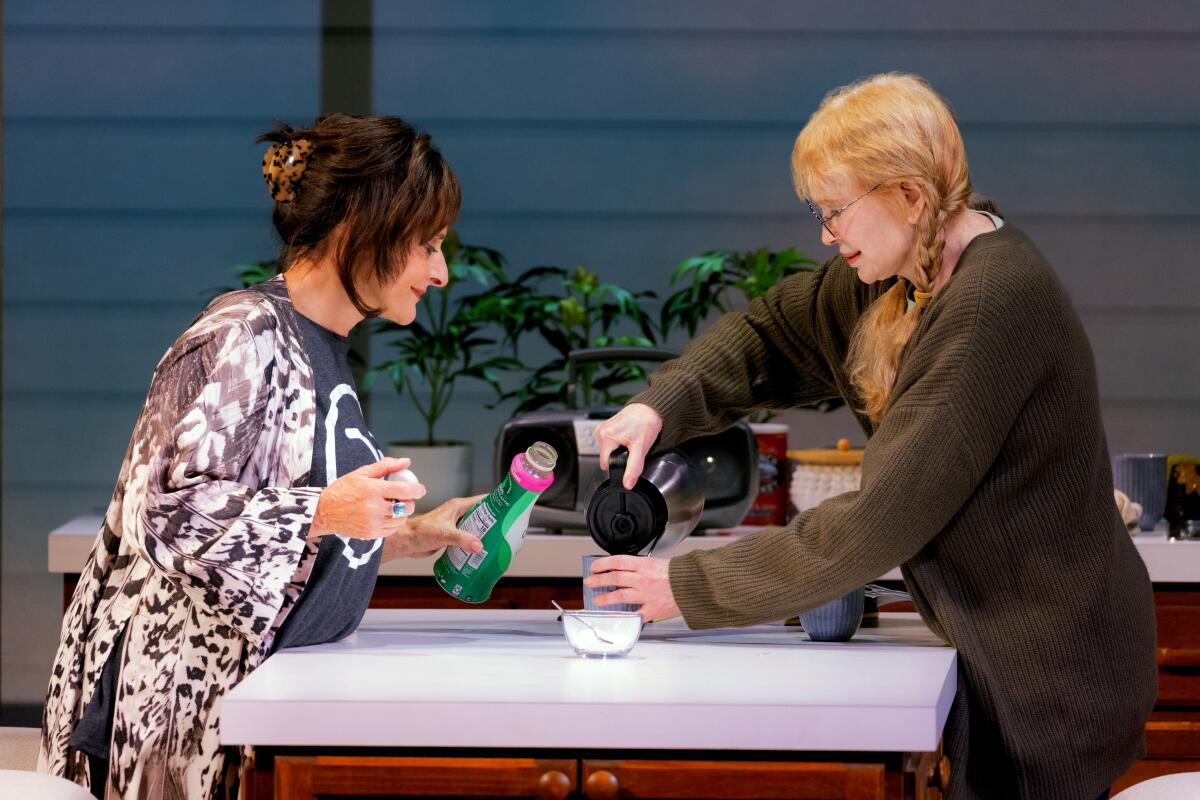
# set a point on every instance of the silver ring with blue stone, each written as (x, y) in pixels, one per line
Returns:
(399, 509)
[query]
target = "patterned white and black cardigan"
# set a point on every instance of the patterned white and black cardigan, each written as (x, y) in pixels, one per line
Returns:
(201, 554)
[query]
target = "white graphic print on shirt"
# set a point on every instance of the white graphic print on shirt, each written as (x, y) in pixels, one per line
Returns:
(340, 391)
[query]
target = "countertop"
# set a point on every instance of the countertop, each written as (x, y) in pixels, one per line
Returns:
(507, 679)
(560, 555)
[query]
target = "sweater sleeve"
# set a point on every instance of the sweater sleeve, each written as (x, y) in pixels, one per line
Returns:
(957, 397)
(909, 491)
(769, 356)
(230, 546)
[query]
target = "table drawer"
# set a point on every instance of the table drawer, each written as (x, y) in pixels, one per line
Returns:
(1178, 686)
(328, 777)
(1173, 733)
(732, 780)
(1177, 615)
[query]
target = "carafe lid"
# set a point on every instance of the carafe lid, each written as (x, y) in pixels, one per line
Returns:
(625, 522)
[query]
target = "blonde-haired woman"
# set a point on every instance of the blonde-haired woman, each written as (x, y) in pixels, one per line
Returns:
(985, 476)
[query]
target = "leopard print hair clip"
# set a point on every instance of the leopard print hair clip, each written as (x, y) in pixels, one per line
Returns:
(283, 166)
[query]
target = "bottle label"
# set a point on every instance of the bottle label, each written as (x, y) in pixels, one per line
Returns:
(499, 520)
(479, 521)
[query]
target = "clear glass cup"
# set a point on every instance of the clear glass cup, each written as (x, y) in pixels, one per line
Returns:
(590, 594)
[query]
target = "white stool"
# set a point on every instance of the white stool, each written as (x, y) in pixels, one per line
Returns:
(1180, 786)
(38, 786)
(19, 748)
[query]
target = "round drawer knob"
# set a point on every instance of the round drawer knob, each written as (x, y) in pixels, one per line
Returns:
(941, 774)
(553, 785)
(602, 785)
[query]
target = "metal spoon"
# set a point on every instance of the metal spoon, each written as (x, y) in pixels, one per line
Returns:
(584, 621)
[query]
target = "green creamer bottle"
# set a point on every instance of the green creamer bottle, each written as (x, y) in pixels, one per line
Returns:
(499, 520)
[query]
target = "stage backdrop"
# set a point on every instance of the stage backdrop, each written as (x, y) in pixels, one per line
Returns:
(624, 136)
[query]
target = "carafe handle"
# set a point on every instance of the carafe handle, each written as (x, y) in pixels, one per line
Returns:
(617, 460)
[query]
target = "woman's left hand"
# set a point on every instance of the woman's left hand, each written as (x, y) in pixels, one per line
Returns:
(639, 579)
(426, 534)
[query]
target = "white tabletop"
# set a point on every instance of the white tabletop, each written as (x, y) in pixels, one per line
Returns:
(560, 556)
(1169, 560)
(478, 678)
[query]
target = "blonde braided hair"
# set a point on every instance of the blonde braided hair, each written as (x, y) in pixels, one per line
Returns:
(888, 129)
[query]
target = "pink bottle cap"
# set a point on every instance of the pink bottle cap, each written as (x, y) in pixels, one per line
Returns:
(526, 479)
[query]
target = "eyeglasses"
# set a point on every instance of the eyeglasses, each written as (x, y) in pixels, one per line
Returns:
(834, 214)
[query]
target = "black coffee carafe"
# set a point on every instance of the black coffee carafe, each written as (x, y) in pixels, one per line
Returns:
(661, 509)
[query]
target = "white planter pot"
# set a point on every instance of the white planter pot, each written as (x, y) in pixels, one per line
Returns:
(445, 470)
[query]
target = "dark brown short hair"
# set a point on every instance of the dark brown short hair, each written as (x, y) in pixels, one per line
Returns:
(385, 180)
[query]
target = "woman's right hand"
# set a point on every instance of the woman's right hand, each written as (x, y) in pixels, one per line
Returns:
(359, 504)
(636, 427)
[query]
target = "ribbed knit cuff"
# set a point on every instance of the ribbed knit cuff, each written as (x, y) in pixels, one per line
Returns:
(688, 584)
(670, 399)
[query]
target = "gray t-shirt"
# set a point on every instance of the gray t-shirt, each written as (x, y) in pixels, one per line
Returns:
(343, 575)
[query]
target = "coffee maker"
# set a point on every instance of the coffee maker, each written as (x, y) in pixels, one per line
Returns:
(726, 462)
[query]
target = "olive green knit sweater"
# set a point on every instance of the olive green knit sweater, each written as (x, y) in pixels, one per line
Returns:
(987, 481)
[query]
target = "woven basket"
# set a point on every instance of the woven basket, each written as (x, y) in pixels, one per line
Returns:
(823, 473)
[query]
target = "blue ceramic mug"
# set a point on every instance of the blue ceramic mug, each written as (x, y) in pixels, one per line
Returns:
(835, 621)
(1143, 478)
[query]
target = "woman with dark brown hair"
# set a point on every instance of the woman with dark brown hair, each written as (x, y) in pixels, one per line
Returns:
(253, 509)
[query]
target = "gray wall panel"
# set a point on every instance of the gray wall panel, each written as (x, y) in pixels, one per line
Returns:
(236, 72)
(776, 77)
(747, 171)
(145, 166)
(1147, 354)
(262, 15)
(61, 438)
(175, 259)
(1118, 262)
(576, 168)
(1144, 357)
(1152, 427)
(98, 349)
(1025, 16)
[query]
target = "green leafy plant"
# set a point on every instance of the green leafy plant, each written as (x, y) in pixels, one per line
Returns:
(251, 273)
(570, 311)
(440, 347)
(713, 279)
(713, 282)
(247, 273)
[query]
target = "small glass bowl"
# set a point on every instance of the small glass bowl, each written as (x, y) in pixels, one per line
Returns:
(621, 628)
